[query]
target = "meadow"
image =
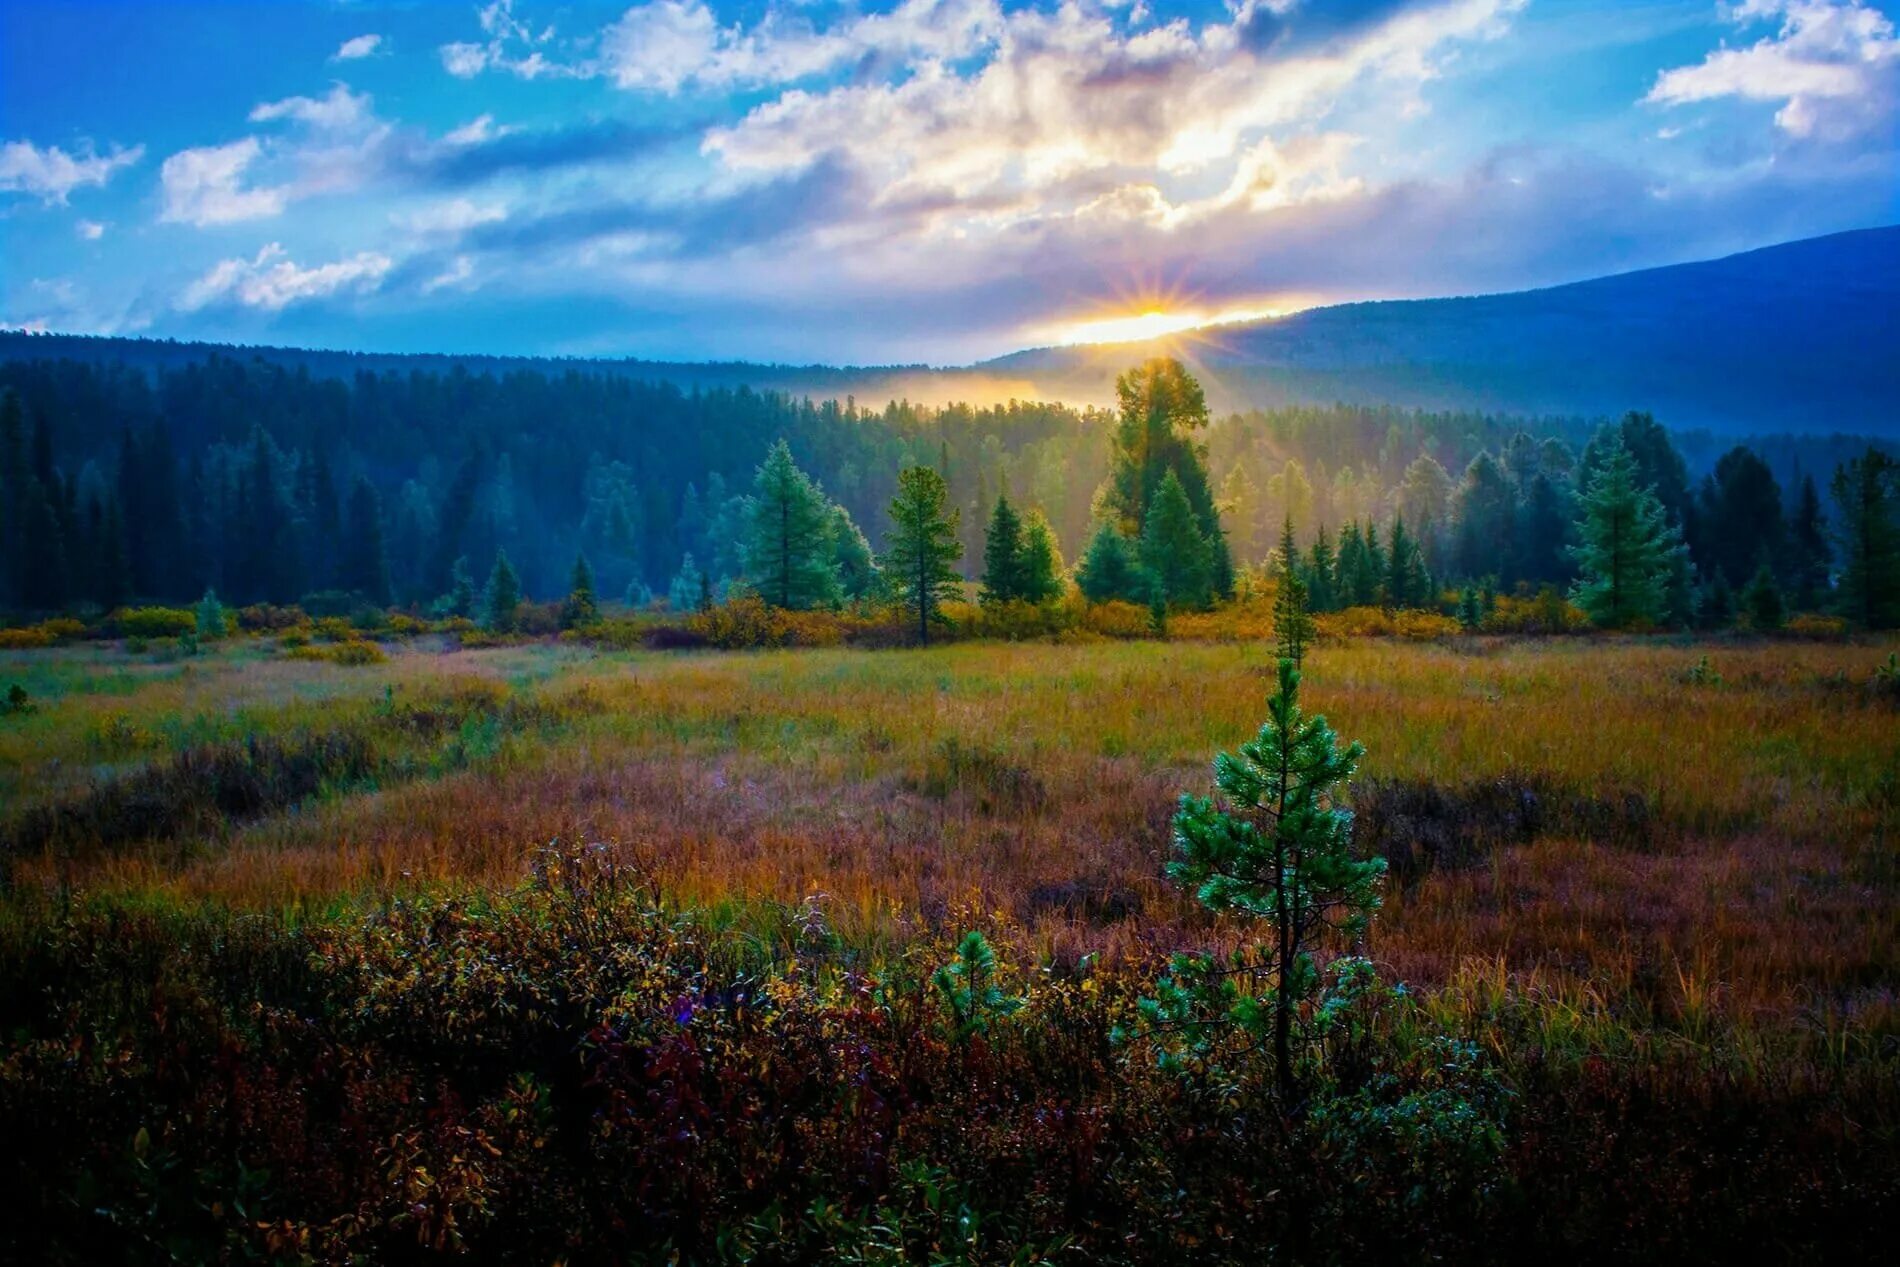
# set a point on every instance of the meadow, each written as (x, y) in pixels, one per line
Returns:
(1648, 884)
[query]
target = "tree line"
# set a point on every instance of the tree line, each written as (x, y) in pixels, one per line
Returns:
(267, 484)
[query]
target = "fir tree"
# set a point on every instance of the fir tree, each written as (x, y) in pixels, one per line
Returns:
(1626, 546)
(1867, 490)
(503, 599)
(1287, 557)
(1292, 626)
(1407, 583)
(683, 594)
(923, 547)
(1173, 549)
(581, 607)
(1275, 846)
(1003, 555)
(1319, 574)
(790, 556)
(1111, 570)
(211, 620)
(857, 566)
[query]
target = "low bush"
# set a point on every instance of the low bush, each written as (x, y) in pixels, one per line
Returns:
(155, 622)
(1116, 619)
(1378, 622)
(29, 639)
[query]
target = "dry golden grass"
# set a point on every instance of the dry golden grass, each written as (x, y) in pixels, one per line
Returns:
(1037, 781)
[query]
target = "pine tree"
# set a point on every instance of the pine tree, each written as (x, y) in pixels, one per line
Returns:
(1111, 570)
(1173, 549)
(580, 608)
(1287, 558)
(1041, 560)
(504, 595)
(1867, 489)
(790, 556)
(1407, 582)
(1003, 555)
(1292, 626)
(1276, 846)
(211, 620)
(461, 597)
(923, 547)
(857, 566)
(1626, 546)
(683, 594)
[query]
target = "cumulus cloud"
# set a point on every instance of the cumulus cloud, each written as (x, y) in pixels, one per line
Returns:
(90, 230)
(206, 186)
(356, 49)
(51, 174)
(1831, 63)
(271, 281)
(339, 111)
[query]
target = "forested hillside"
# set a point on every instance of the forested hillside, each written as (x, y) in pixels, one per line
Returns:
(151, 476)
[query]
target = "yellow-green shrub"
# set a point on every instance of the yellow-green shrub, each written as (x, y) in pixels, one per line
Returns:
(1116, 619)
(24, 639)
(155, 622)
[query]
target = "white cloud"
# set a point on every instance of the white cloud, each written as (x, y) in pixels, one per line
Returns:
(1831, 63)
(360, 47)
(460, 271)
(340, 111)
(90, 230)
(457, 215)
(205, 186)
(271, 281)
(512, 46)
(51, 173)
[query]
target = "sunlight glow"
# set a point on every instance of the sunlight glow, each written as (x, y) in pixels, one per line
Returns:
(1158, 322)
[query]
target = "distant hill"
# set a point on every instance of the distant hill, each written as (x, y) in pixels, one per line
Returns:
(1800, 337)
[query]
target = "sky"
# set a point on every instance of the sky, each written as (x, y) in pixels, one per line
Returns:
(897, 181)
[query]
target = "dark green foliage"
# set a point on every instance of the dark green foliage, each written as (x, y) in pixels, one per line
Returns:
(1407, 584)
(503, 598)
(919, 564)
(1626, 547)
(1173, 549)
(1808, 553)
(580, 608)
(212, 623)
(1003, 570)
(969, 990)
(364, 568)
(1111, 570)
(1867, 490)
(857, 567)
(1161, 406)
(1738, 516)
(790, 553)
(461, 596)
(1041, 561)
(1321, 571)
(1292, 626)
(1762, 602)
(16, 702)
(1275, 847)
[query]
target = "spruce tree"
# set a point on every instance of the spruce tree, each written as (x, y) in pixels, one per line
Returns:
(1867, 490)
(857, 566)
(1808, 548)
(1173, 549)
(504, 595)
(1003, 555)
(1287, 557)
(461, 597)
(1626, 545)
(1321, 591)
(683, 594)
(790, 556)
(1292, 626)
(923, 547)
(1762, 601)
(211, 619)
(581, 607)
(1111, 570)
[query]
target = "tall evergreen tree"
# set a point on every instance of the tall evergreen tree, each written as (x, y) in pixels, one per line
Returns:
(790, 556)
(857, 566)
(1174, 550)
(1407, 583)
(1867, 491)
(1738, 516)
(920, 562)
(1003, 555)
(580, 608)
(1626, 545)
(1041, 559)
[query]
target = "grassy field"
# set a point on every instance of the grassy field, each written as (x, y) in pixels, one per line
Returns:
(1672, 855)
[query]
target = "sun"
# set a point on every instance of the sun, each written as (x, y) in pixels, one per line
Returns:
(1153, 314)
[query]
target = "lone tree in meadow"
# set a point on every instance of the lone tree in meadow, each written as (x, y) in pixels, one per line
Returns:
(790, 555)
(1292, 626)
(1867, 489)
(504, 595)
(923, 547)
(1628, 547)
(1276, 846)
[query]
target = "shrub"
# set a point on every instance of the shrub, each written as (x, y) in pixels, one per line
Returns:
(537, 620)
(357, 651)
(268, 618)
(403, 625)
(1816, 626)
(1546, 613)
(1016, 619)
(16, 702)
(741, 622)
(1376, 622)
(63, 628)
(155, 622)
(1118, 619)
(25, 639)
(334, 629)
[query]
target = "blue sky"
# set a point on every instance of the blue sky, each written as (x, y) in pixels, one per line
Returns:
(896, 180)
